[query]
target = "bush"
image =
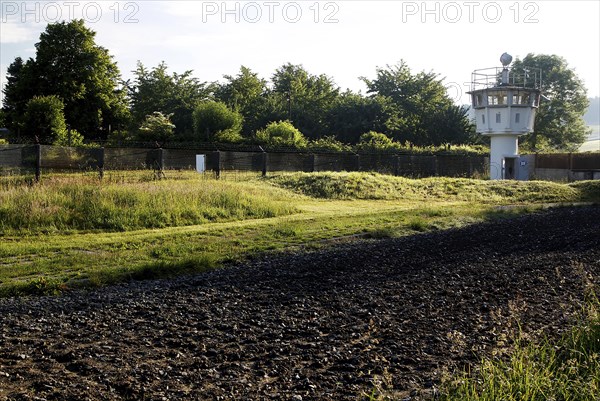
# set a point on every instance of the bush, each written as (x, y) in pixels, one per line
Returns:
(376, 141)
(215, 122)
(281, 134)
(157, 127)
(328, 144)
(68, 138)
(118, 137)
(45, 119)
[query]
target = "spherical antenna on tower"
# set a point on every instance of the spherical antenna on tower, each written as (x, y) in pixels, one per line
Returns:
(505, 59)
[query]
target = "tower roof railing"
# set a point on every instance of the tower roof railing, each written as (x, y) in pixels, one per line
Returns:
(520, 77)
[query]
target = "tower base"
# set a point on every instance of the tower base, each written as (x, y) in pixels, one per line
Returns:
(504, 151)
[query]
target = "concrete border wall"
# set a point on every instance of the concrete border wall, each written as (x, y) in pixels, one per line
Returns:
(559, 167)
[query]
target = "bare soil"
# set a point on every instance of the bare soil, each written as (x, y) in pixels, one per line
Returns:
(329, 324)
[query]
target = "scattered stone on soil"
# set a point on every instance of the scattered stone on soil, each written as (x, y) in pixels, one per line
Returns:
(330, 324)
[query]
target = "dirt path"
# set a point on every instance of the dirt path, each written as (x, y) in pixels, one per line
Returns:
(306, 326)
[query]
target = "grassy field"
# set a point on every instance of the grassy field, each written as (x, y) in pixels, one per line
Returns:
(74, 231)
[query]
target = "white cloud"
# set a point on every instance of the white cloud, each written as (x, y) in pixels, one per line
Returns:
(18, 32)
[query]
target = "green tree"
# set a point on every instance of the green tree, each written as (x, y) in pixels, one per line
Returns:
(44, 119)
(246, 94)
(157, 127)
(281, 134)
(2, 125)
(19, 89)
(215, 122)
(302, 98)
(451, 125)
(352, 114)
(69, 65)
(425, 114)
(69, 137)
(559, 120)
(239, 91)
(176, 94)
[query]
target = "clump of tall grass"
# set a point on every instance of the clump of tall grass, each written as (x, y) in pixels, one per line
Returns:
(562, 369)
(567, 370)
(356, 185)
(559, 369)
(67, 203)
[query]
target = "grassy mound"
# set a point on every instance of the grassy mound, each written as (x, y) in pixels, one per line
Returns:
(382, 187)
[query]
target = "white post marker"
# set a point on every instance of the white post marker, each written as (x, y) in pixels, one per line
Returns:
(201, 163)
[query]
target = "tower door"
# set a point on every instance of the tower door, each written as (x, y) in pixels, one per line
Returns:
(510, 168)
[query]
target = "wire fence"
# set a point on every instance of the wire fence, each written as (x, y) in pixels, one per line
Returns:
(21, 159)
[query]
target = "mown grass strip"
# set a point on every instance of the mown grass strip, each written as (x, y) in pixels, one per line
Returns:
(52, 263)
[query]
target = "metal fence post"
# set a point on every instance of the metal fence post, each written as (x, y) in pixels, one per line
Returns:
(470, 167)
(159, 163)
(101, 163)
(218, 169)
(571, 161)
(38, 162)
(161, 159)
(265, 158)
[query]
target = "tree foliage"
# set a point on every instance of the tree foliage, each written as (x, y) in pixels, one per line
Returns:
(404, 106)
(18, 91)
(302, 98)
(376, 141)
(214, 121)
(352, 114)
(424, 113)
(328, 144)
(174, 94)
(246, 93)
(70, 66)
(559, 121)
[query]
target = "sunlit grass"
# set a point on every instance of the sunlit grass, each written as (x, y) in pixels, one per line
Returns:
(62, 203)
(526, 367)
(74, 230)
(560, 370)
(381, 187)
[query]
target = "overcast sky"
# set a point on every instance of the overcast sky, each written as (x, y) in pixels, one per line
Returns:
(343, 39)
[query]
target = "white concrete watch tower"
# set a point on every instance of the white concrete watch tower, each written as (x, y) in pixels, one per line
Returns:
(505, 101)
